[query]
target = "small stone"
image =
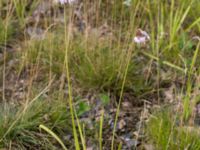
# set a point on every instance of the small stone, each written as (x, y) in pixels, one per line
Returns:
(121, 124)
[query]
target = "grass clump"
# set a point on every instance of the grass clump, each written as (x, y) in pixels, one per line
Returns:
(99, 67)
(165, 131)
(96, 64)
(47, 54)
(19, 125)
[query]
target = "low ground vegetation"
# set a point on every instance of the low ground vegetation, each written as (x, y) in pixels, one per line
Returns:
(120, 74)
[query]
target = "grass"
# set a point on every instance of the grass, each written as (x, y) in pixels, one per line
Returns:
(99, 66)
(166, 133)
(19, 125)
(48, 53)
(23, 9)
(94, 51)
(6, 32)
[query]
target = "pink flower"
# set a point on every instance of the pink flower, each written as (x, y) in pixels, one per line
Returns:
(141, 37)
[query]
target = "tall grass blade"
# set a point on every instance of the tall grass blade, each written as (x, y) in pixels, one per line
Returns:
(53, 135)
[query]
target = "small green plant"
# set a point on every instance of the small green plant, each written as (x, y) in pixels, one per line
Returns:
(105, 99)
(82, 108)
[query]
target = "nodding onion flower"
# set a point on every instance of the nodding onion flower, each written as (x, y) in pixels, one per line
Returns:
(141, 37)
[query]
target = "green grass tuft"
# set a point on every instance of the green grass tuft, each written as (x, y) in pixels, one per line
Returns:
(164, 131)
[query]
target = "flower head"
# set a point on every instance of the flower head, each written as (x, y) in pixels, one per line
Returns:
(141, 37)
